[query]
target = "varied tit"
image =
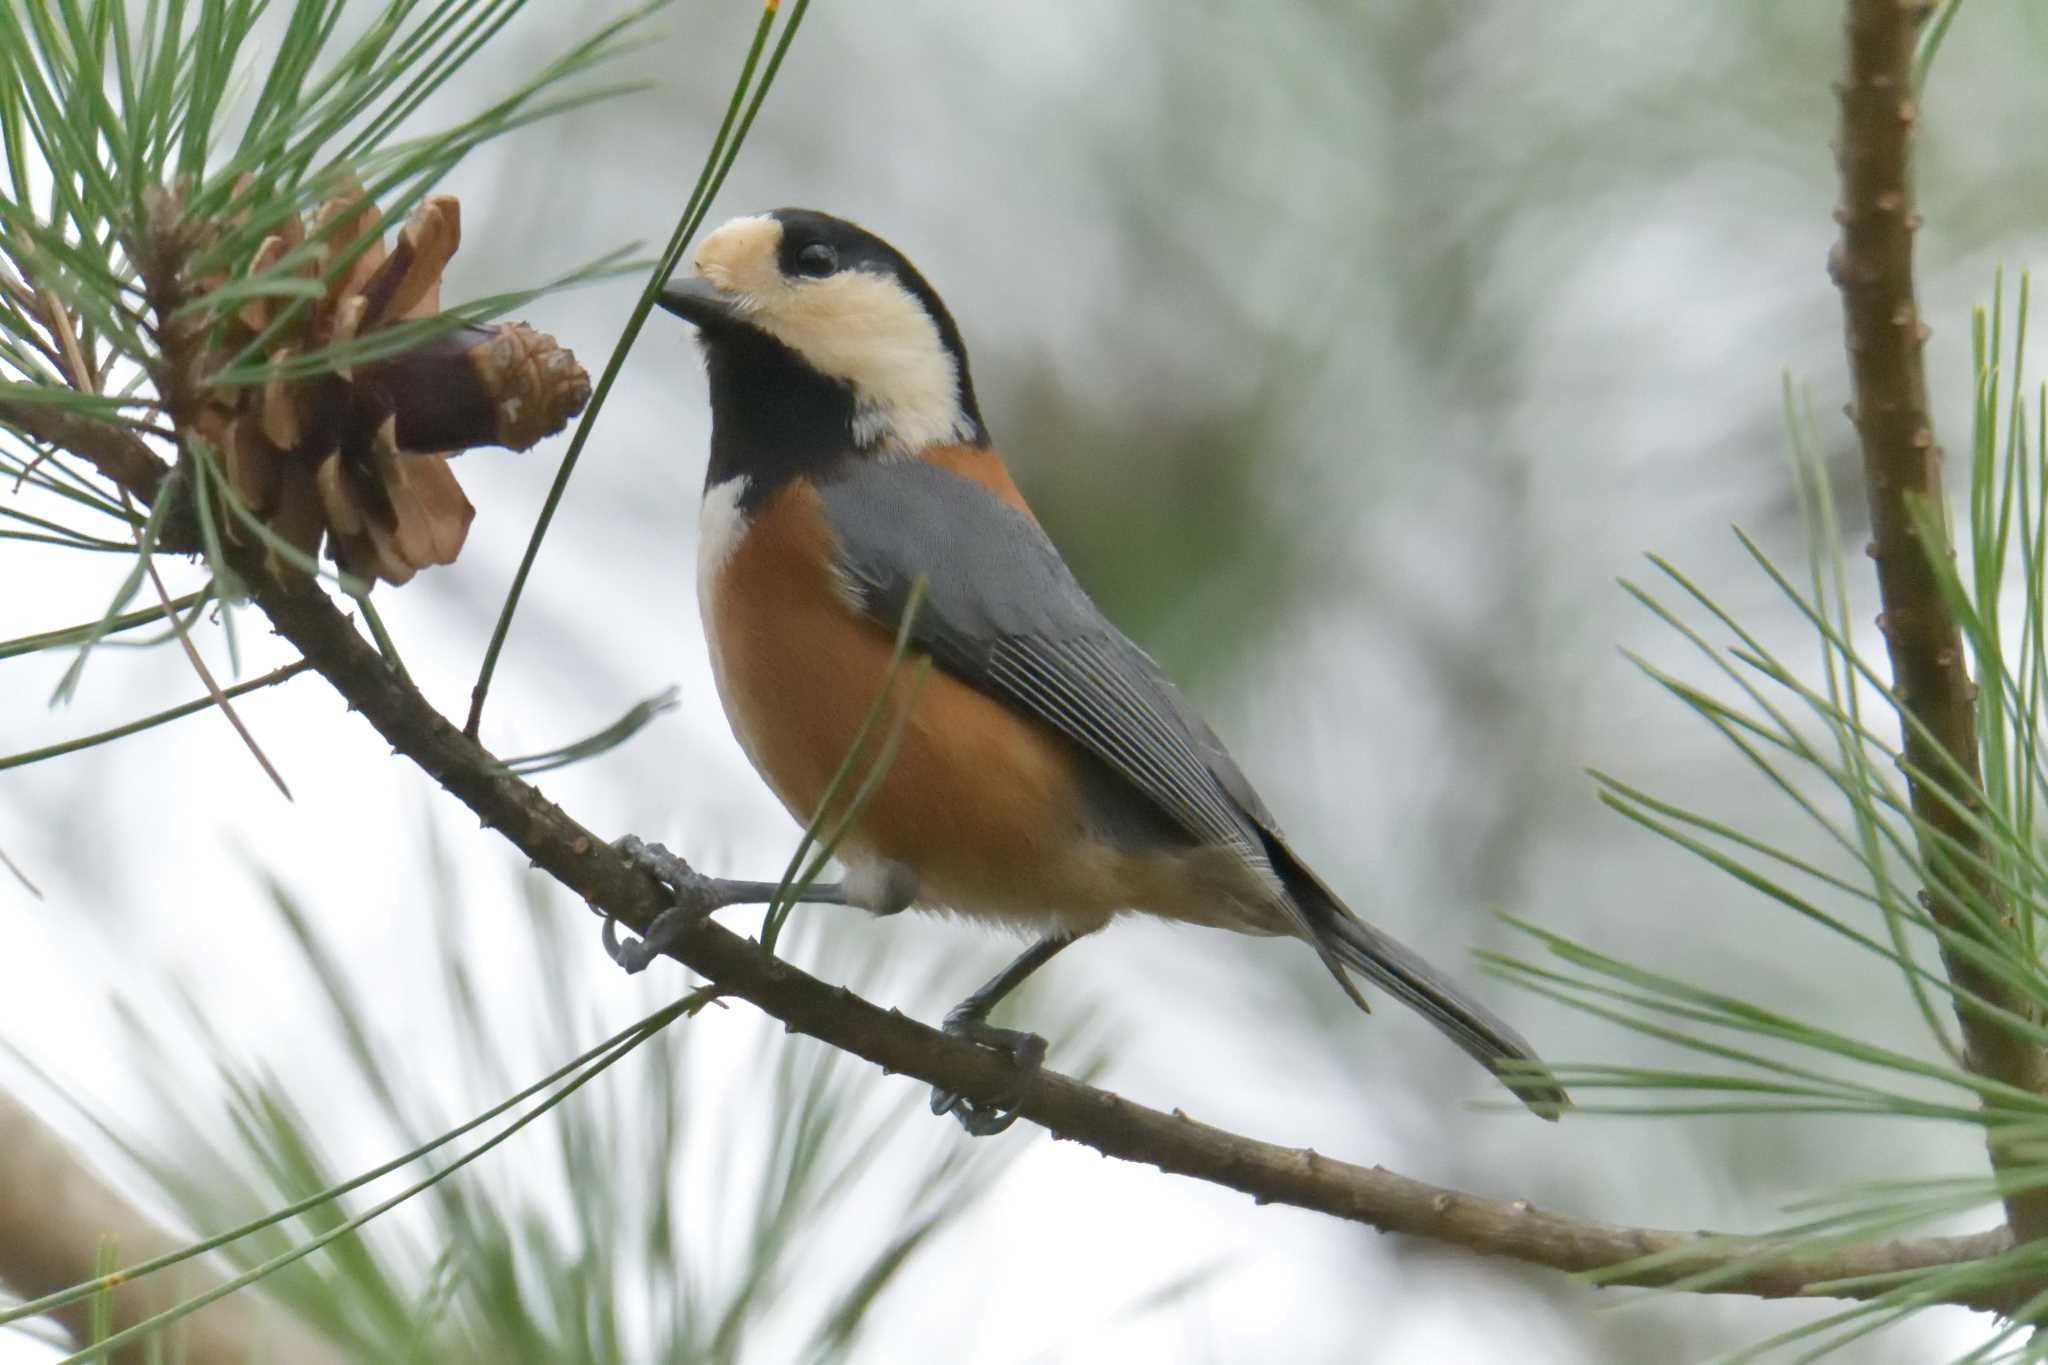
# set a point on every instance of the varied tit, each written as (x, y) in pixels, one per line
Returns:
(1047, 776)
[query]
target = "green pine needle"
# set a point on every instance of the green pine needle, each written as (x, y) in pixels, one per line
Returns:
(718, 161)
(1821, 741)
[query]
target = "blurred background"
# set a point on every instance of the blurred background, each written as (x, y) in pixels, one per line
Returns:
(1351, 353)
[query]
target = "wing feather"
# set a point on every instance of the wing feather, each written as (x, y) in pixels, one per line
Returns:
(1003, 613)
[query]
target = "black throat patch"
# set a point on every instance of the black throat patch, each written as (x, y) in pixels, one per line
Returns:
(773, 417)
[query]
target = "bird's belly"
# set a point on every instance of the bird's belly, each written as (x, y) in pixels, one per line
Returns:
(984, 806)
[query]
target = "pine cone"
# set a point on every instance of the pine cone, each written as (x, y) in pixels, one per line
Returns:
(359, 456)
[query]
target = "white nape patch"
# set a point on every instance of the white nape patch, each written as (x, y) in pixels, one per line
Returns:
(863, 329)
(720, 526)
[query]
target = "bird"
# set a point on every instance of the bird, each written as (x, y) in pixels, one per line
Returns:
(1047, 775)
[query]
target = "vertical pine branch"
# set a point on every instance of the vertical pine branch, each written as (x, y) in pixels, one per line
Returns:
(1872, 264)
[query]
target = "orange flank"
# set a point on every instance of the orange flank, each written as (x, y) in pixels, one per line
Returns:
(984, 803)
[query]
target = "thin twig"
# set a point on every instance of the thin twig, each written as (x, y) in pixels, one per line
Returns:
(119, 454)
(213, 689)
(1873, 267)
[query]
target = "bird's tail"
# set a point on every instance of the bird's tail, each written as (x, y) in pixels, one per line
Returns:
(1343, 940)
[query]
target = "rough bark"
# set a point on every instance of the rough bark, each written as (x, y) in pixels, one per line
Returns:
(1872, 264)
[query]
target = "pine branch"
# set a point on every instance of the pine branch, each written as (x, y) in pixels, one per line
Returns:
(118, 453)
(1873, 267)
(1115, 1126)
(54, 1214)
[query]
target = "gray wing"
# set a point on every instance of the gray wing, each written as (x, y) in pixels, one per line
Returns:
(1003, 613)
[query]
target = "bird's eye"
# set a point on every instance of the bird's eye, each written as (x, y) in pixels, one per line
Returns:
(817, 259)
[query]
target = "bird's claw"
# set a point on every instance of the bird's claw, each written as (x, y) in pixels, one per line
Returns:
(689, 889)
(668, 929)
(978, 1120)
(1025, 1050)
(682, 880)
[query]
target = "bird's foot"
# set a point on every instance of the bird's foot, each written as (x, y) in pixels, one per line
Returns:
(1025, 1050)
(694, 896)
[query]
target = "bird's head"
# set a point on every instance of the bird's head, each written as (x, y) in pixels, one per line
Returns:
(827, 325)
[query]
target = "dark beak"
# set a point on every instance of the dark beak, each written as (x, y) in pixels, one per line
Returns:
(697, 300)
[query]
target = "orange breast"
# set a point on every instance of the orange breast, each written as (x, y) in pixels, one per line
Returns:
(983, 804)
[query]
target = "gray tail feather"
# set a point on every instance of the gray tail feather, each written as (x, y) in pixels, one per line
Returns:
(1415, 984)
(1342, 938)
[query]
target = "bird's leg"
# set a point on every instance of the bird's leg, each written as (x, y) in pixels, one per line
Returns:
(695, 896)
(969, 1020)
